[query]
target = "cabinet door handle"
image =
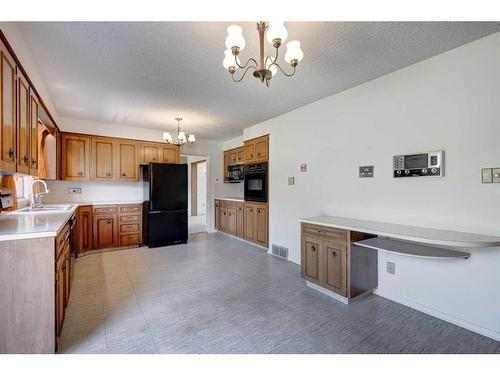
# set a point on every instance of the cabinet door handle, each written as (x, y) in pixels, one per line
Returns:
(313, 248)
(26, 159)
(80, 173)
(109, 221)
(108, 174)
(12, 153)
(33, 161)
(334, 254)
(124, 175)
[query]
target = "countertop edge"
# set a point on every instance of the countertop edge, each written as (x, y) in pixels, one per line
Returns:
(402, 236)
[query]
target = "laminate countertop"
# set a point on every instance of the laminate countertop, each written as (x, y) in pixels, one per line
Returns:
(429, 236)
(24, 225)
(232, 199)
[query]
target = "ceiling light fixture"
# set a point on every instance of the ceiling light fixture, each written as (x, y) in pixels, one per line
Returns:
(267, 66)
(181, 136)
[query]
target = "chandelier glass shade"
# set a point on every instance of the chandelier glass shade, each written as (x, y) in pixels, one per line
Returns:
(181, 136)
(266, 67)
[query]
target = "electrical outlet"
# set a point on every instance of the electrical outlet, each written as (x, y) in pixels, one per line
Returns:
(291, 180)
(74, 190)
(496, 175)
(487, 175)
(391, 268)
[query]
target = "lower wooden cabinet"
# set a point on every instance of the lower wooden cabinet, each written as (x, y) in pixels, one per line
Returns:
(243, 219)
(105, 231)
(330, 260)
(84, 229)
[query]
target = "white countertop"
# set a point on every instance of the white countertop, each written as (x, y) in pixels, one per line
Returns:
(20, 226)
(96, 203)
(406, 232)
(233, 199)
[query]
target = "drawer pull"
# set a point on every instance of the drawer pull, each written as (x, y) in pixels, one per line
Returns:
(109, 221)
(108, 174)
(80, 173)
(124, 175)
(334, 254)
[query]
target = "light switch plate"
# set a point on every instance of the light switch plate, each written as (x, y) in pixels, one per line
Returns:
(391, 268)
(366, 171)
(486, 175)
(496, 175)
(291, 180)
(303, 167)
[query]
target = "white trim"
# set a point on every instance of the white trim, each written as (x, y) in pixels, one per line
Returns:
(440, 315)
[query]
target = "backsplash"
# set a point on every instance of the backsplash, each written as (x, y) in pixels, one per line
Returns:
(94, 191)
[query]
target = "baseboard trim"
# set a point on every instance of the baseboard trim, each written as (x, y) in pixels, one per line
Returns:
(440, 315)
(327, 292)
(243, 240)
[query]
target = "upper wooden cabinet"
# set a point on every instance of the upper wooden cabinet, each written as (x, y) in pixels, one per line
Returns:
(34, 139)
(158, 153)
(257, 149)
(171, 155)
(75, 157)
(8, 126)
(128, 160)
(23, 125)
(102, 161)
(233, 156)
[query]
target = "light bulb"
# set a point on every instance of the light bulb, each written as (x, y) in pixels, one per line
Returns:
(293, 51)
(191, 138)
(229, 59)
(167, 137)
(182, 137)
(276, 30)
(235, 37)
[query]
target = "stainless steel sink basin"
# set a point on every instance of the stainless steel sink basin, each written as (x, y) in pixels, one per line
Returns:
(47, 208)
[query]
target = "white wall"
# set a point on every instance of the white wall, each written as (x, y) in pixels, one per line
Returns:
(201, 188)
(448, 102)
(188, 160)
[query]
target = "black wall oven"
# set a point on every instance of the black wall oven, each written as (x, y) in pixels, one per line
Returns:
(256, 182)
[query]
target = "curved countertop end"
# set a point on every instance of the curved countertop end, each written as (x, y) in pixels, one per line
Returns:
(429, 236)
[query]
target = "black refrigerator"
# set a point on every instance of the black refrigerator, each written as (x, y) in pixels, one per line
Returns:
(165, 208)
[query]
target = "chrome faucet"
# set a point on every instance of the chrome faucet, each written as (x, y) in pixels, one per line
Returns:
(37, 197)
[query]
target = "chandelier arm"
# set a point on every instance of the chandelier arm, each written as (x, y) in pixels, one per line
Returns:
(282, 71)
(248, 62)
(275, 58)
(243, 76)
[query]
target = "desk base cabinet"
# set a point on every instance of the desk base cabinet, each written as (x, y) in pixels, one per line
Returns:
(330, 260)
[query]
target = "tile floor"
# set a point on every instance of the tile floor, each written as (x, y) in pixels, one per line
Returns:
(197, 224)
(220, 295)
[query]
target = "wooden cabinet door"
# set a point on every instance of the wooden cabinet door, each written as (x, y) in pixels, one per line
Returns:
(261, 149)
(240, 223)
(59, 300)
(34, 107)
(84, 229)
(103, 159)
(150, 154)
(217, 214)
(7, 111)
(231, 221)
(67, 275)
(233, 157)
(240, 155)
(171, 155)
(75, 157)
(334, 267)
(128, 160)
(261, 225)
(223, 219)
(250, 222)
(311, 259)
(226, 163)
(249, 151)
(105, 231)
(23, 125)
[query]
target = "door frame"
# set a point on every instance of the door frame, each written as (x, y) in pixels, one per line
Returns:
(194, 186)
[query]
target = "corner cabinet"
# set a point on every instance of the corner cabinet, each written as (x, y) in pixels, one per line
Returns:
(75, 157)
(330, 260)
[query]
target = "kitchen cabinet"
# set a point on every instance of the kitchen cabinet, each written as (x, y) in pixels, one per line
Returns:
(256, 223)
(231, 220)
(104, 227)
(84, 229)
(257, 150)
(240, 222)
(8, 140)
(330, 260)
(217, 214)
(59, 295)
(75, 157)
(171, 155)
(130, 224)
(240, 155)
(103, 162)
(23, 125)
(223, 219)
(233, 156)
(34, 113)
(128, 160)
(150, 153)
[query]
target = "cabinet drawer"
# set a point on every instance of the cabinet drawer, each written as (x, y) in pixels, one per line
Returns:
(228, 205)
(325, 232)
(129, 239)
(129, 209)
(101, 210)
(130, 218)
(129, 228)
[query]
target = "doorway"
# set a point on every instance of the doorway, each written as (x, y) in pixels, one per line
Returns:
(197, 193)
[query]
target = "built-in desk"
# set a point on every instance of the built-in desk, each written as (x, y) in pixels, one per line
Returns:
(339, 255)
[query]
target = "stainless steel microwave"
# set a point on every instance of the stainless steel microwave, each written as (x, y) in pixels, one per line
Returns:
(429, 163)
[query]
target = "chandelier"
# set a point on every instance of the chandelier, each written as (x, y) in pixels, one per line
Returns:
(267, 66)
(181, 136)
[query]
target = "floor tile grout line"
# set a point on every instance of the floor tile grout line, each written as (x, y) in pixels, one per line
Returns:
(139, 302)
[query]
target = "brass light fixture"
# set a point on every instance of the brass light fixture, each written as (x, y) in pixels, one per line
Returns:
(181, 136)
(267, 66)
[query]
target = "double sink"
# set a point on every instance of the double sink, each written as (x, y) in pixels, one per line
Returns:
(55, 208)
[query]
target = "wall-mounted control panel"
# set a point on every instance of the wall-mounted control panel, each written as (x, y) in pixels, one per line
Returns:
(424, 164)
(366, 171)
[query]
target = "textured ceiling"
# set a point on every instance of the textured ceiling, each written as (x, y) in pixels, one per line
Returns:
(145, 74)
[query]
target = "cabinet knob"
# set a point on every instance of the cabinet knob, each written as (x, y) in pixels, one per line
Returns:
(258, 154)
(12, 153)
(108, 174)
(334, 254)
(154, 159)
(109, 221)
(33, 161)
(124, 175)
(80, 173)
(313, 248)
(26, 159)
